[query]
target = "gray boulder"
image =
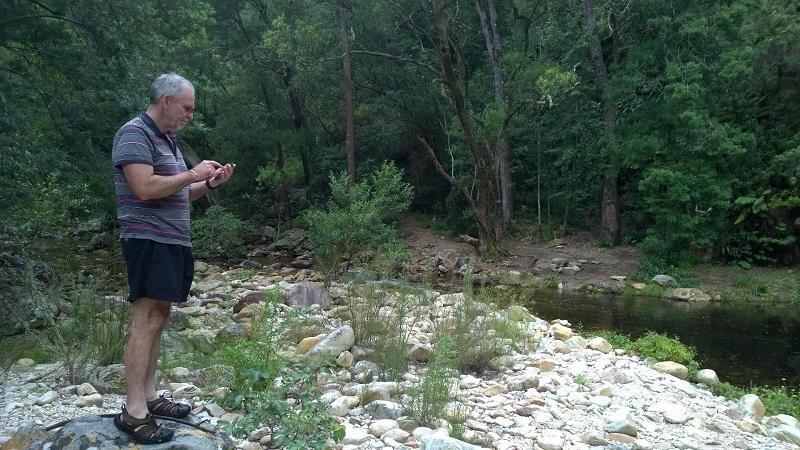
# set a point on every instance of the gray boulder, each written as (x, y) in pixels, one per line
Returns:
(448, 258)
(96, 432)
(306, 294)
(445, 443)
(665, 280)
(333, 344)
(108, 379)
(291, 240)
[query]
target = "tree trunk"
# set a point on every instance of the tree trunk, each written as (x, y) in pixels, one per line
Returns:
(350, 143)
(479, 206)
(610, 207)
(494, 48)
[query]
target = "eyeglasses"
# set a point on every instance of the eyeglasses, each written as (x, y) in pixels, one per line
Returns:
(189, 109)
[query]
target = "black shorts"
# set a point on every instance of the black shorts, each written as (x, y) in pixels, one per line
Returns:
(158, 271)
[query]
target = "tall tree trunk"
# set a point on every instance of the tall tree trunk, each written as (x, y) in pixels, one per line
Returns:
(344, 10)
(479, 203)
(494, 48)
(610, 207)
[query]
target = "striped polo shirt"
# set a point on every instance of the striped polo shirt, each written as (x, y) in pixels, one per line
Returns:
(162, 220)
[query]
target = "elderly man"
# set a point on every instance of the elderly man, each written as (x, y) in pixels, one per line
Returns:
(153, 189)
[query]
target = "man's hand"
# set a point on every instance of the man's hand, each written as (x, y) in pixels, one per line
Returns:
(221, 174)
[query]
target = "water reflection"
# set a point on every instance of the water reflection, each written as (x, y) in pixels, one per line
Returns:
(744, 343)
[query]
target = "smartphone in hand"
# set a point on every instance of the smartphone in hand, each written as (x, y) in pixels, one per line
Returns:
(220, 174)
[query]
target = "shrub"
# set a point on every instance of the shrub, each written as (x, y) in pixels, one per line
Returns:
(357, 219)
(776, 400)
(663, 348)
(779, 400)
(550, 282)
(468, 330)
(218, 233)
(659, 259)
(617, 340)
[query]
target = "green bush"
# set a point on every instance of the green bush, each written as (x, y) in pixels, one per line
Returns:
(663, 348)
(357, 219)
(476, 332)
(779, 400)
(218, 233)
(661, 258)
(617, 340)
(272, 391)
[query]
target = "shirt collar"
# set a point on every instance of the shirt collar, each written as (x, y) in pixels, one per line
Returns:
(153, 127)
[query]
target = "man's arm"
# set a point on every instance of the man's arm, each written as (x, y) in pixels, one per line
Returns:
(197, 190)
(148, 186)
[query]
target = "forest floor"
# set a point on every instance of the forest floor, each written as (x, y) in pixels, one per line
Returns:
(521, 253)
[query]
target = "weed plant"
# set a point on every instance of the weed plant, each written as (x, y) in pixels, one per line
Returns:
(261, 351)
(653, 290)
(271, 390)
(378, 320)
(93, 334)
(478, 332)
(550, 282)
(777, 400)
(285, 402)
(426, 402)
(468, 330)
(26, 345)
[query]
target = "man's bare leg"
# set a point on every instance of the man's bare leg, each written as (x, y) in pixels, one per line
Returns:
(147, 322)
(150, 387)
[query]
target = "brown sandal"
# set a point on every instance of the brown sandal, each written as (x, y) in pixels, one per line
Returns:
(144, 431)
(163, 406)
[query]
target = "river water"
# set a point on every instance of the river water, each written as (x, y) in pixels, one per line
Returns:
(746, 344)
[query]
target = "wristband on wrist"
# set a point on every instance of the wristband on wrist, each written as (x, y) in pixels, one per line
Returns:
(196, 178)
(210, 188)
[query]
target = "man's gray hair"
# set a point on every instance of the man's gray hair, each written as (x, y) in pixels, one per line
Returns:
(169, 83)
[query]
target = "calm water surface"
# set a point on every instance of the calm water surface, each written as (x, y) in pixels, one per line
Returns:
(745, 344)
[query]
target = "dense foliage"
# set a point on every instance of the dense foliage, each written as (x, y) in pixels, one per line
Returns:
(672, 125)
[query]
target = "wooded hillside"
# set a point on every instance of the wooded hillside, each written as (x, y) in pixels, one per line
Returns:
(670, 125)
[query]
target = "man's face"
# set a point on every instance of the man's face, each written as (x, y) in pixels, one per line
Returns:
(179, 109)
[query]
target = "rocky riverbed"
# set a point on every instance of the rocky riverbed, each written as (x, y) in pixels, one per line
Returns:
(567, 393)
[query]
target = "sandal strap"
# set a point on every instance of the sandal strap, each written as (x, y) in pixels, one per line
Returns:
(146, 428)
(150, 429)
(163, 403)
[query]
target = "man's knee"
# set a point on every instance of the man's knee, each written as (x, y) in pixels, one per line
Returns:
(156, 312)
